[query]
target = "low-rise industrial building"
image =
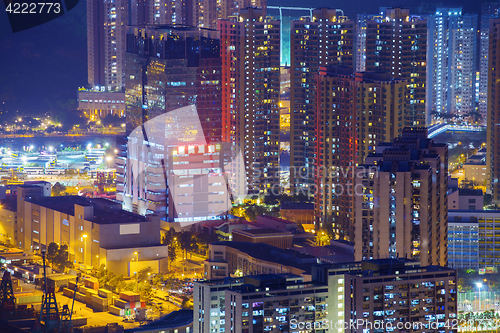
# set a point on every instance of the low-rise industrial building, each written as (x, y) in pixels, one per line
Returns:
(281, 239)
(240, 259)
(97, 231)
(180, 321)
(98, 104)
(277, 223)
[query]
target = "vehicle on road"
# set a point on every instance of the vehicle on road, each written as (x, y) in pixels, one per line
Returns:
(55, 171)
(33, 170)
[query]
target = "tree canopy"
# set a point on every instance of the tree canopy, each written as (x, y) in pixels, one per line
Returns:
(58, 256)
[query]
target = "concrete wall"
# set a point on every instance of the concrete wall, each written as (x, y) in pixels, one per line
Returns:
(123, 261)
(7, 226)
(470, 202)
(132, 234)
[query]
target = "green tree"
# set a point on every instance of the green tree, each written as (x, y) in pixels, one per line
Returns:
(172, 256)
(169, 237)
(186, 242)
(51, 253)
(250, 214)
(185, 301)
(146, 291)
(62, 258)
(112, 120)
(144, 273)
(120, 284)
(271, 199)
(58, 189)
(58, 257)
(130, 286)
(205, 239)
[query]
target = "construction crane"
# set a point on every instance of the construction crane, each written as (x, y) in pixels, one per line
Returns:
(7, 298)
(50, 321)
(9, 309)
(66, 325)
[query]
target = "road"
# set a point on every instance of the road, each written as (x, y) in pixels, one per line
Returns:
(103, 318)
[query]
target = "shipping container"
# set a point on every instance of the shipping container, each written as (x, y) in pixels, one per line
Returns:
(92, 283)
(80, 297)
(78, 321)
(105, 293)
(99, 300)
(116, 311)
(99, 307)
(68, 292)
(15, 282)
(28, 299)
(71, 285)
(89, 293)
(122, 304)
(130, 296)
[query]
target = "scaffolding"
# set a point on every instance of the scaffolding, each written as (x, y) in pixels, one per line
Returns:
(474, 301)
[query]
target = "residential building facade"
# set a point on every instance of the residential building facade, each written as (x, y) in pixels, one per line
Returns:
(355, 112)
(493, 123)
(463, 241)
(251, 83)
(350, 297)
(324, 39)
(395, 42)
(401, 201)
(452, 63)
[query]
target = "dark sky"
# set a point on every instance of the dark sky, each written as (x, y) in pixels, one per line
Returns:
(42, 68)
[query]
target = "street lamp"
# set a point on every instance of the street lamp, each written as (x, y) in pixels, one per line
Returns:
(84, 250)
(137, 272)
(108, 159)
(479, 285)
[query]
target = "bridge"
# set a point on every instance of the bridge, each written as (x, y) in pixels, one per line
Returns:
(437, 129)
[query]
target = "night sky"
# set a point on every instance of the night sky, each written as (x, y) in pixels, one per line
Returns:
(42, 68)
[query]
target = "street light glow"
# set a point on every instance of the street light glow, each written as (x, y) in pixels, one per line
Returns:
(479, 284)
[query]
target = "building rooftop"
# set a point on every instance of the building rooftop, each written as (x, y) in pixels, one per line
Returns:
(479, 212)
(28, 186)
(263, 232)
(105, 211)
(274, 254)
(171, 27)
(277, 219)
(385, 267)
(10, 205)
(179, 318)
(297, 205)
(470, 192)
(476, 160)
(60, 277)
(260, 283)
